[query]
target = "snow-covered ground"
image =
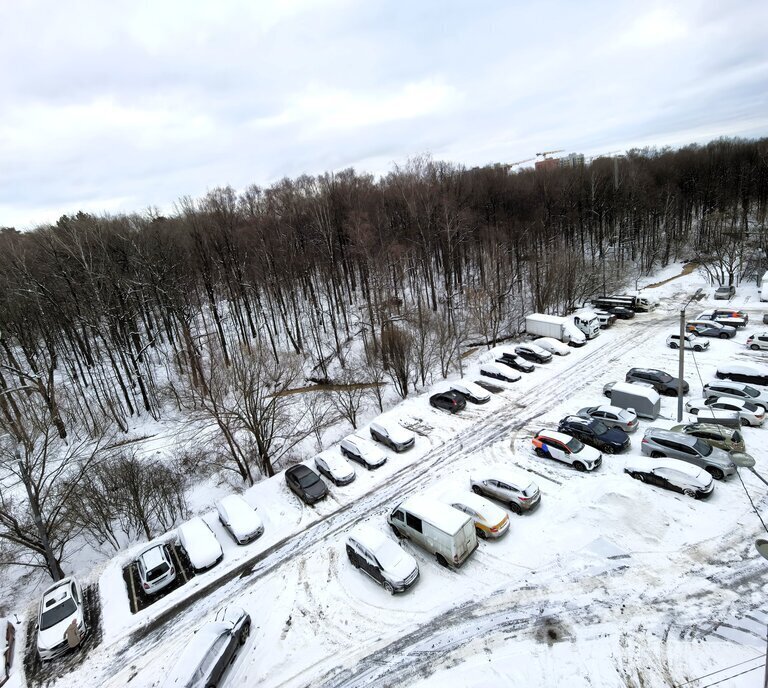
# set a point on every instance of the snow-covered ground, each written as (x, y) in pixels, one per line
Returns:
(609, 583)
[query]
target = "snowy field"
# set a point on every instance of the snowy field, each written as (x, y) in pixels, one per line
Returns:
(609, 583)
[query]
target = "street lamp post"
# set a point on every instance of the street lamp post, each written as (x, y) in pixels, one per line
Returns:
(681, 359)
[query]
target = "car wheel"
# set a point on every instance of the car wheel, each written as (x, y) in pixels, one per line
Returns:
(608, 449)
(388, 587)
(476, 489)
(672, 345)
(755, 347)
(539, 452)
(396, 531)
(580, 467)
(481, 533)
(244, 633)
(723, 335)
(716, 473)
(639, 476)
(698, 348)
(441, 560)
(515, 508)
(744, 422)
(671, 392)
(688, 492)
(657, 455)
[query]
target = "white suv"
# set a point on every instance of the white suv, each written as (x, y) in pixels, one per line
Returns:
(61, 605)
(156, 570)
(758, 341)
(691, 342)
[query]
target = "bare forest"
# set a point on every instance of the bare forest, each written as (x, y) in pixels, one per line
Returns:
(216, 311)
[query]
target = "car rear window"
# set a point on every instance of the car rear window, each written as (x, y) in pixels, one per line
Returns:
(750, 406)
(736, 437)
(157, 571)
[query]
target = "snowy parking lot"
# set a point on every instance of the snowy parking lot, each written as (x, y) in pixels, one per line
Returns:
(609, 582)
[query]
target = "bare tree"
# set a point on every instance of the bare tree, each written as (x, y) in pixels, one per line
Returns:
(396, 350)
(348, 396)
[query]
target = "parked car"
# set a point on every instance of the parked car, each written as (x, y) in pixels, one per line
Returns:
(531, 352)
(605, 319)
(363, 452)
(551, 345)
(199, 544)
(671, 474)
(61, 604)
(306, 484)
(335, 467)
(622, 312)
(210, 651)
(708, 328)
(493, 389)
(7, 649)
(382, 559)
(595, 433)
(450, 401)
(555, 445)
(498, 372)
(240, 519)
(472, 392)
(737, 390)
(438, 528)
(725, 317)
(690, 341)
(514, 361)
(392, 435)
(662, 382)
(765, 318)
(725, 292)
(758, 341)
(727, 439)
(515, 490)
(155, 568)
(750, 414)
(490, 521)
(612, 416)
(743, 372)
(659, 443)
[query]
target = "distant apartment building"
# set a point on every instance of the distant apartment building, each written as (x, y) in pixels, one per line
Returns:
(547, 164)
(571, 160)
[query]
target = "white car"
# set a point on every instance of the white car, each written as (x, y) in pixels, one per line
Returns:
(561, 447)
(750, 414)
(382, 559)
(490, 521)
(551, 344)
(472, 392)
(335, 467)
(156, 569)
(392, 435)
(691, 342)
(497, 372)
(363, 452)
(240, 519)
(200, 544)
(62, 604)
(672, 474)
(758, 341)
(736, 390)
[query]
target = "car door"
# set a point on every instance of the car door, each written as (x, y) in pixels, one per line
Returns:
(371, 565)
(557, 450)
(494, 488)
(293, 483)
(664, 478)
(398, 519)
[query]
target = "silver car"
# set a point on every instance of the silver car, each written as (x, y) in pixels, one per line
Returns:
(658, 443)
(672, 475)
(517, 491)
(707, 328)
(736, 390)
(612, 416)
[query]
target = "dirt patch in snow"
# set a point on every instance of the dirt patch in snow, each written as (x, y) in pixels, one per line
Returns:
(688, 268)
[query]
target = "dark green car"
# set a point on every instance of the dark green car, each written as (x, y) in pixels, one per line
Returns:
(718, 436)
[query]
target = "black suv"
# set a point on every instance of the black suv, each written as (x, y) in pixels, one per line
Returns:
(450, 401)
(662, 382)
(513, 361)
(595, 433)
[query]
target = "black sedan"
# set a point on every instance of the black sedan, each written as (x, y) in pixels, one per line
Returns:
(450, 401)
(531, 352)
(307, 484)
(513, 361)
(210, 651)
(595, 433)
(622, 313)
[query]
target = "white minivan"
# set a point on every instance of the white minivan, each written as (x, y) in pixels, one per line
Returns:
(440, 529)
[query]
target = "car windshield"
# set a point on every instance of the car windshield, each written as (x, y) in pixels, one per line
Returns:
(51, 617)
(574, 445)
(702, 448)
(599, 428)
(664, 377)
(751, 391)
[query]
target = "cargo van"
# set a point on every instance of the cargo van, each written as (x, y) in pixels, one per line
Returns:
(588, 323)
(440, 529)
(644, 401)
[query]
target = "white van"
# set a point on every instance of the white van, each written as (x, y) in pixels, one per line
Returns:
(764, 286)
(440, 529)
(588, 322)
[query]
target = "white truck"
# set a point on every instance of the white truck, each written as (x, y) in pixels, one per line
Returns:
(545, 325)
(588, 322)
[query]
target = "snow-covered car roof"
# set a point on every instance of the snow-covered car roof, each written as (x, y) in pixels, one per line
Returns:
(395, 431)
(555, 435)
(199, 542)
(153, 556)
(506, 371)
(470, 387)
(242, 517)
(643, 463)
(532, 347)
(434, 511)
(337, 464)
(548, 343)
(742, 369)
(621, 412)
(507, 475)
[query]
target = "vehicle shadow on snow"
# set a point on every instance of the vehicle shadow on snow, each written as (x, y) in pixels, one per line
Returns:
(40, 673)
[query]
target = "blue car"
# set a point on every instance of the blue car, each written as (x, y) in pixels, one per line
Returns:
(595, 433)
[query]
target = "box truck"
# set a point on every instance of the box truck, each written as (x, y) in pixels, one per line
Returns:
(545, 325)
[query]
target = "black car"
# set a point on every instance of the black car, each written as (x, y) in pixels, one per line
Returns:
(489, 386)
(622, 313)
(662, 382)
(308, 485)
(210, 651)
(513, 361)
(450, 401)
(531, 352)
(595, 433)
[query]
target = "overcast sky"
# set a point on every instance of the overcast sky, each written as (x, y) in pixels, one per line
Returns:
(117, 106)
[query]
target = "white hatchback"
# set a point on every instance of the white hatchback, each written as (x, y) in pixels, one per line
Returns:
(758, 341)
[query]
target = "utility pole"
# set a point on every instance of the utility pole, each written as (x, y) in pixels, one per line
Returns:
(681, 365)
(53, 565)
